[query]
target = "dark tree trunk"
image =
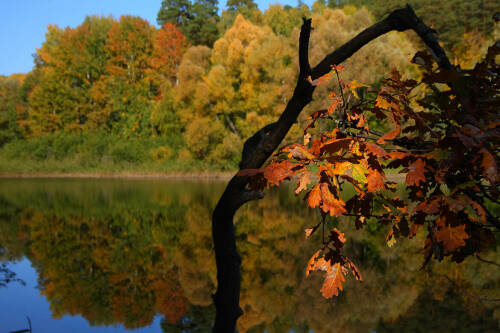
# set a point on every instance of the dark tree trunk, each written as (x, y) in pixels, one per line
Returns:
(262, 144)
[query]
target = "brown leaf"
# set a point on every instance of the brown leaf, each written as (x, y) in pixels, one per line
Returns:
(451, 237)
(430, 206)
(489, 165)
(334, 145)
(416, 173)
(309, 232)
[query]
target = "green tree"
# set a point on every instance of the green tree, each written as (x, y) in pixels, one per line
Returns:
(11, 107)
(197, 21)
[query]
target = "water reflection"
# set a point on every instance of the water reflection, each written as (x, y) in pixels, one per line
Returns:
(123, 252)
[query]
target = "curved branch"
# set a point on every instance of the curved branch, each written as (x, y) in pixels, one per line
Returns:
(261, 145)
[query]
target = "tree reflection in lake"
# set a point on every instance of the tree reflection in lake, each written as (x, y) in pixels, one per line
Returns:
(117, 251)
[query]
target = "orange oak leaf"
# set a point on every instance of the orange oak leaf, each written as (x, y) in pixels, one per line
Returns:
(341, 168)
(416, 173)
(375, 181)
(451, 237)
(375, 149)
(298, 152)
(333, 281)
(334, 274)
(277, 172)
(329, 203)
(308, 232)
(390, 135)
(314, 196)
(314, 264)
(382, 103)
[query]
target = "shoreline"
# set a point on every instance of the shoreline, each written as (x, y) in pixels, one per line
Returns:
(118, 175)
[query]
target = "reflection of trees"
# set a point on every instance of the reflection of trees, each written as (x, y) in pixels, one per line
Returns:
(122, 254)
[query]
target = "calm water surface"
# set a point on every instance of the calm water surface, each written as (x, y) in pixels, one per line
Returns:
(108, 255)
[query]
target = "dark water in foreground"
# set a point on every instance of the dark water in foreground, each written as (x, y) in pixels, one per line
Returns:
(112, 255)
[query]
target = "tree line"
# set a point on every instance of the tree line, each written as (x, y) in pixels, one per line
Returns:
(123, 91)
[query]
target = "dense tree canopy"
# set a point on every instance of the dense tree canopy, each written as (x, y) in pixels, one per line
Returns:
(173, 106)
(197, 20)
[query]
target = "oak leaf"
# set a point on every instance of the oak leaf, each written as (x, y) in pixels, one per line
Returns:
(416, 173)
(451, 237)
(390, 135)
(314, 196)
(375, 149)
(334, 145)
(275, 173)
(375, 181)
(329, 203)
(333, 281)
(382, 103)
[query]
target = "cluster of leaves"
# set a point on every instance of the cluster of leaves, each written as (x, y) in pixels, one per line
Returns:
(443, 135)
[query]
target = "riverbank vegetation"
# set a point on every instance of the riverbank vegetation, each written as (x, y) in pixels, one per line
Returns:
(115, 95)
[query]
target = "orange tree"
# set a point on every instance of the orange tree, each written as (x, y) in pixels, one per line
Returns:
(444, 134)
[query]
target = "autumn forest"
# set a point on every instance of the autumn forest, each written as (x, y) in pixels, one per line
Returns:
(362, 137)
(118, 94)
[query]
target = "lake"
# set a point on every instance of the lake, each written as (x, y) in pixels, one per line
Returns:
(114, 255)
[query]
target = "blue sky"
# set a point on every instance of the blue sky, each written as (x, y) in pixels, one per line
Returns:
(23, 22)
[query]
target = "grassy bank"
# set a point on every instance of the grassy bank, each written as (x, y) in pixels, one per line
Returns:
(101, 154)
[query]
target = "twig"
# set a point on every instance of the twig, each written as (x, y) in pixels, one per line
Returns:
(487, 261)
